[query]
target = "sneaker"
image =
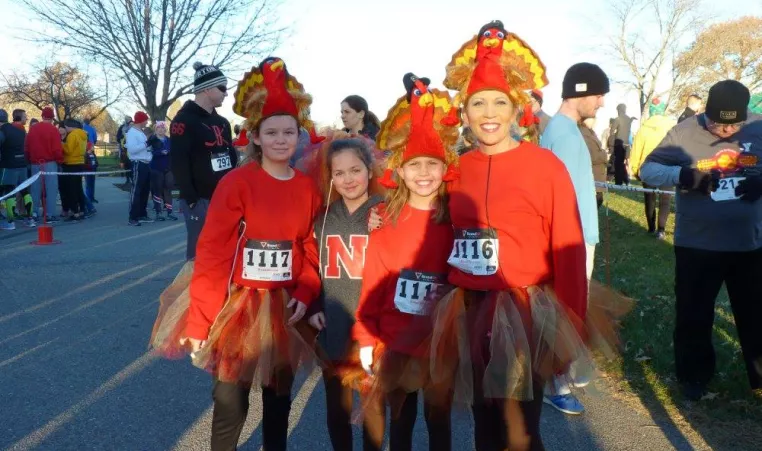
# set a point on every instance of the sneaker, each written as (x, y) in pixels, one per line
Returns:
(52, 219)
(159, 217)
(134, 222)
(661, 235)
(567, 404)
(91, 213)
(73, 218)
(171, 217)
(145, 219)
(693, 391)
(30, 222)
(5, 225)
(95, 201)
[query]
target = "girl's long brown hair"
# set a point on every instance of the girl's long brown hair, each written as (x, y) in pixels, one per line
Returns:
(344, 142)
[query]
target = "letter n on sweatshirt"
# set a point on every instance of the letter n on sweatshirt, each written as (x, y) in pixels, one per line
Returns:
(338, 255)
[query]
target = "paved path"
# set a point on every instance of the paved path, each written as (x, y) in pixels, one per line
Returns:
(75, 375)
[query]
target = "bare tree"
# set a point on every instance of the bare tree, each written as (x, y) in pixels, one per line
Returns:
(153, 43)
(727, 50)
(647, 36)
(61, 85)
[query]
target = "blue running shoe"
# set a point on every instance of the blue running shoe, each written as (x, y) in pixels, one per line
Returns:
(567, 404)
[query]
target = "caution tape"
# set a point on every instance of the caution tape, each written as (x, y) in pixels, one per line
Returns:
(25, 184)
(637, 189)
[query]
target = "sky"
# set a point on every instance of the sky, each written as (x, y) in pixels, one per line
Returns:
(342, 47)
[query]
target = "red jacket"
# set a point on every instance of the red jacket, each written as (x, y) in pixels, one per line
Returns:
(275, 249)
(527, 196)
(43, 144)
(401, 262)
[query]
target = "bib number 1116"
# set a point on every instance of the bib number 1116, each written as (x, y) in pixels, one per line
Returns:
(461, 249)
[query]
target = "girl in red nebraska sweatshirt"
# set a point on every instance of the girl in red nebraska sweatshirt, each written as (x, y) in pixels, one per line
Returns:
(255, 274)
(405, 273)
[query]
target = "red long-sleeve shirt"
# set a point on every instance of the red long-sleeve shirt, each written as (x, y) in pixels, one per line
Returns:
(275, 249)
(43, 144)
(404, 261)
(527, 197)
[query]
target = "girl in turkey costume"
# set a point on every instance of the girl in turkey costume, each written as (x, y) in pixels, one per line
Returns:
(518, 257)
(256, 269)
(406, 270)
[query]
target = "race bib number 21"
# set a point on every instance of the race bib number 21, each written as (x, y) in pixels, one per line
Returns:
(475, 251)
(267, 261)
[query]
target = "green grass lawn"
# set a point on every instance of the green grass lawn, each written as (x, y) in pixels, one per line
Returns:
(643, 268)
(108, 164)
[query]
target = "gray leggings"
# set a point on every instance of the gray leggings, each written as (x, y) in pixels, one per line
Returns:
(194, 222)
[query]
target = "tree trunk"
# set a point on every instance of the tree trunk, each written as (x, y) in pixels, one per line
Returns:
(158, 113)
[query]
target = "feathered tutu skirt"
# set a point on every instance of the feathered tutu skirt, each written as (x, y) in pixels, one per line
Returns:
(249, 342)
(495, 345)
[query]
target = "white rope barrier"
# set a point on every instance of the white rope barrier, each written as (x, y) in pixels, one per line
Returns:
(36, 176)
(637, 189)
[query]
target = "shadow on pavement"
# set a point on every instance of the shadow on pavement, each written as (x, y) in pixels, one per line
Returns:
(650, 326)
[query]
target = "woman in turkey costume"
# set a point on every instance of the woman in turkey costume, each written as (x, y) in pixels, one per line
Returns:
(405, 272)
(256, 269)
(518, 256)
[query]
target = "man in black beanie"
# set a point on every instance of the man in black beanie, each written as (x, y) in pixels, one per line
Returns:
(714, 158)
(584, 86)
(202, 149)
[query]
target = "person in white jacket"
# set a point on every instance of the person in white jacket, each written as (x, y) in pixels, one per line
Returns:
(140, 156)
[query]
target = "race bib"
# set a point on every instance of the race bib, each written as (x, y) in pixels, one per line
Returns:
(417, 292)
(475, 251)
(726, 190)
(267, 261)
(221, 162)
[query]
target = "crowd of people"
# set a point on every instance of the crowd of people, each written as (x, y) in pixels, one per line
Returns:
(56, 148)
(423, 254)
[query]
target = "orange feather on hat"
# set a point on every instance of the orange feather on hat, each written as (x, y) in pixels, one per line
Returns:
(269, 89)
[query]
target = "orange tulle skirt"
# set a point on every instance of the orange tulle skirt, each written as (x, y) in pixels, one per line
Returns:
(249, 342)
(496, 343)
(524, 335)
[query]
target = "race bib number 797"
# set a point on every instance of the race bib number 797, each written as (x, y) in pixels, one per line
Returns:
(475, 251)
(221, 162)
(267, 261)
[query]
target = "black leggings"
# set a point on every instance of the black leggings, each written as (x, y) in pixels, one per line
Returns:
(231, 405)
(161, 190)
(501, 424)
(72, 194)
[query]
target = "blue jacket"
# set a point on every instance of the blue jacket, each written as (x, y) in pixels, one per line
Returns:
(160, 150)
(92, 134)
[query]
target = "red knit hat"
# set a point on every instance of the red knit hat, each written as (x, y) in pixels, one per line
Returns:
(140, 117)
(47, 113)
(270, 90)
(421, 109)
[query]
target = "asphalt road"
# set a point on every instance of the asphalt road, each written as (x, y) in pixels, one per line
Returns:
(75, 373)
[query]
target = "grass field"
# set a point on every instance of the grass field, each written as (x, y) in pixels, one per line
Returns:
(643, 268)
(108, 164)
